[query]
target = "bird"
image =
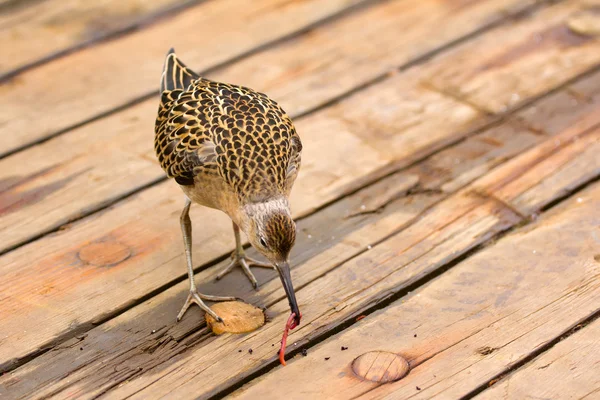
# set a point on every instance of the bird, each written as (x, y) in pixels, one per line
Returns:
(234, 149)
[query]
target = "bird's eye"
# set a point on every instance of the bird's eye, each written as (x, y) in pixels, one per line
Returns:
(263, 242)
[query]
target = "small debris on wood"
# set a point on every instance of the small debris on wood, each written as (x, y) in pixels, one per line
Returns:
(81, 348)
(153, 330)
(250, 351)
(304, 352)
(418, 388)
(360, 317)
(415, 335)
(240, 350)
(344, 348)
(327, 358)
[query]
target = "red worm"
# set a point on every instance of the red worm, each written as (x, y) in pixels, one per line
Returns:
(291, 324)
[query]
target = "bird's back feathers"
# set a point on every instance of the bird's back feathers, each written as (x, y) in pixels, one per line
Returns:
(211, 128)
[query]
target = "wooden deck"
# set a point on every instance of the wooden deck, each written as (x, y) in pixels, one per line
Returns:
(448, 204)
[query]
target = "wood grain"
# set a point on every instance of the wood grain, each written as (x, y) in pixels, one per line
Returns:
(31, 203)
(36, 31)
(466, 220)
(96, 80)
(470, 324)
(158, 240)
(123, 138)
(532, 56)
(569, 370)
(438, 236)
(351, 225)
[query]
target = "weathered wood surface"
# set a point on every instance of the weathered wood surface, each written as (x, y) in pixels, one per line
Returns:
(569, 370)
(31, 32)
(107, 82)
(123, 137)
(451, 228)
(147, 223)
(474, 221)
(155, 246)
(464, 166)
(533, 57)
(470, 324)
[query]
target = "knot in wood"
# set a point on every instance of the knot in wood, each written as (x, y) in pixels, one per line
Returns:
(104, 254)
(380, 366)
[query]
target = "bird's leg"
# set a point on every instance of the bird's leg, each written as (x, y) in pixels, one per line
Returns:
(238, 257)
(194, 296)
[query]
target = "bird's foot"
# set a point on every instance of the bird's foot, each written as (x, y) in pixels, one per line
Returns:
(196, 298)
(240, 259)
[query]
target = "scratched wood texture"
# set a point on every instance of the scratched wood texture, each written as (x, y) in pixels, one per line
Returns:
(477, 115)
(116, 154)
(118, 72)
(474, 218)
(472, 323)
(36, 31)
(567, 371)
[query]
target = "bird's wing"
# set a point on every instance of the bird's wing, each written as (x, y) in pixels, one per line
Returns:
(294, 161)
(183, 142)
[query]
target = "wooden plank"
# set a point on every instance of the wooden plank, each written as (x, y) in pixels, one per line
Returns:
(124, 136)
(36, 31)
(36, 199)
(447, 231)
(553, 169)
(569, 370)
(536, 54)
(473, 322)
(94, 81)
(435, 238)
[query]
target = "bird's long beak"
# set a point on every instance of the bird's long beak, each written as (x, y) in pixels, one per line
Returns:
(286, 279)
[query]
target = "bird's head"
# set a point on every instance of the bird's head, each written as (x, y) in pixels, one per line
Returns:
(272, 231)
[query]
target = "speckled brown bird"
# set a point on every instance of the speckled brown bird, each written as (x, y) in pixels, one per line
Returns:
(233, 149)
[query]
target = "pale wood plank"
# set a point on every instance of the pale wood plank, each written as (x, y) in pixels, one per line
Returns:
(535, 55)
(472, 323)
(569, 370)
(124, 136)
(549, 171)
(338, 57)
(34, 31)
(93, 81)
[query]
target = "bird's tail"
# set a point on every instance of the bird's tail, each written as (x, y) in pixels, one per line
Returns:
(175, 74)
